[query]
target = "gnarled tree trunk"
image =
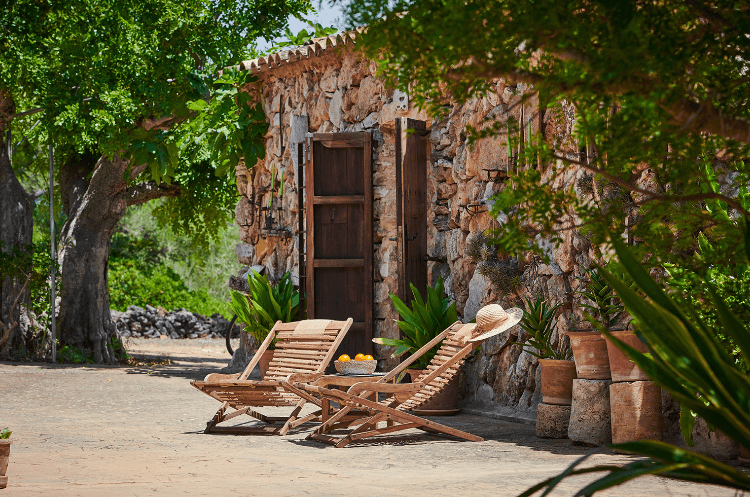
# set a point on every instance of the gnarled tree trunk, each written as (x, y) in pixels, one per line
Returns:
(94, 207)
(15, 217)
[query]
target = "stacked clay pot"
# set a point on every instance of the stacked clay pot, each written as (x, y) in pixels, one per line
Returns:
(590, 418)
(553, 413)
(635, 401)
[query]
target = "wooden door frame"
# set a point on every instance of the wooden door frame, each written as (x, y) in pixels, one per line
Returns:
(362, 139)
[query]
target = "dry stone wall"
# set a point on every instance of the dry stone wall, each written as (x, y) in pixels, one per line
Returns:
(339, 92)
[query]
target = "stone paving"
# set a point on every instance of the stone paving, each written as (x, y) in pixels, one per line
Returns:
(126, 431)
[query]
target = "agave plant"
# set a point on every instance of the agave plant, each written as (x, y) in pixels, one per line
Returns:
(685, 360)
(265, 304)
(423, 322)
(538, 321)
(605, 307)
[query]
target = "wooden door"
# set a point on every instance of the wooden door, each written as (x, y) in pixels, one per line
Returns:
(339, 242)
(411, 206)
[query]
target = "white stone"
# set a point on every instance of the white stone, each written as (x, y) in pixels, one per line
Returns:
(245, 253)
(478, 288)
(401, 100)
(485, 394)
(371, 120)
(334, 109)
(454, 243)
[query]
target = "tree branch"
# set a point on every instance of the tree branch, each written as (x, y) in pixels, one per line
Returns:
(142, 193)
(695, 116)
(658, 196)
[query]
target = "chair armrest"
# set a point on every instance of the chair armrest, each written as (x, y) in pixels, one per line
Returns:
(212, 377)
(303, 377)
(394, 388)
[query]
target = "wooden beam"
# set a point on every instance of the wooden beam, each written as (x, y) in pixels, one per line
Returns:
(338, 263)
(338, 199)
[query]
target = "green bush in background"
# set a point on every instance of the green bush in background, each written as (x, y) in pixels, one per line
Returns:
(151, 265)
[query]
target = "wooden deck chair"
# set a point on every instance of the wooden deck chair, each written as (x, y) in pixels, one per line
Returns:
(303, 351)
(459, 340)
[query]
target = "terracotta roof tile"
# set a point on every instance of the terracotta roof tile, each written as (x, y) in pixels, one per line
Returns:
(315, 48)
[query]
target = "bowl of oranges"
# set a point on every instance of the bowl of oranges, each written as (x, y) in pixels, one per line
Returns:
(361, 364)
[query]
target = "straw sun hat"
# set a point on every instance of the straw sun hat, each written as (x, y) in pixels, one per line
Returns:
(493, 319)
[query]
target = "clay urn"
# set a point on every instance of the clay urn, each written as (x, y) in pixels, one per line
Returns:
(620, 365)
(444, 403)
(744, 458)
(557, 381)
(636, 411)
(590, 355)
(4, 457)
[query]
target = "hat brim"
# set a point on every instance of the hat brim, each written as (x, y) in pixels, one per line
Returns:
(516, 315)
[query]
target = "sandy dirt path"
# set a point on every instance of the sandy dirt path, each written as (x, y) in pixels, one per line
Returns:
(122, 431)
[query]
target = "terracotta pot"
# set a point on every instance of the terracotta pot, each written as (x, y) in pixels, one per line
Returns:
(744, 458)
(557, 381)
(714, 443)
(265, 360)
(590, 354)
(4, 456)
(444, 403)
(636, 411)
(620, 365)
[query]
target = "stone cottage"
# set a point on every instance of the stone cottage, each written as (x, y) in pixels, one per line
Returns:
(355, 207)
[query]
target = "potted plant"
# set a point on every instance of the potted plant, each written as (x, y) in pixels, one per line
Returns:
(4, 455)
(420, 324)
(608, 311)
(589, 347)
(558, 370)
(263, 306)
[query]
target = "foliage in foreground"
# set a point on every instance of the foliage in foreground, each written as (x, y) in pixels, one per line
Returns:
(684, 359)
(265, 304)
(652, 85)
(426, 319)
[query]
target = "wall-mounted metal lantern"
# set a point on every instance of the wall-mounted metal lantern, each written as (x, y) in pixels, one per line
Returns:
(271, 217)
(472, 209)
(496, 175)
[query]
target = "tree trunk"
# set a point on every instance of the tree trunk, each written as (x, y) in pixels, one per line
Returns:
(94, 207)
(15, 217)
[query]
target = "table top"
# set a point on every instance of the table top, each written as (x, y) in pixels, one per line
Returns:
(348, 380)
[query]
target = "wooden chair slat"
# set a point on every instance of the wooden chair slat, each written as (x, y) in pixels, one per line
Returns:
(308, 350)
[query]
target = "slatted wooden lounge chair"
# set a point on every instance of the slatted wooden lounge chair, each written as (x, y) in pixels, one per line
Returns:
(303, 348)
(459, 341)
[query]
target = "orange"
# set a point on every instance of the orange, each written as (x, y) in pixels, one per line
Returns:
(344, 358)
(359, 357)
(368, 357)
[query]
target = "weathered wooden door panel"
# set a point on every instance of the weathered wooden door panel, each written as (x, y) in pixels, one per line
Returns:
(339, 234)
(339, 229)
(411, 205)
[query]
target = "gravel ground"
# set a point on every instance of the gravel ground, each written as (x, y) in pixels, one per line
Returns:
(136, 431)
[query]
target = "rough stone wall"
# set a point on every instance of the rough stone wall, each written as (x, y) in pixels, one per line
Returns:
(339, 92)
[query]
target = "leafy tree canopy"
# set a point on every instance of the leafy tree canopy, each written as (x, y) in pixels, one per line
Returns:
(660, 92)
(138, 78)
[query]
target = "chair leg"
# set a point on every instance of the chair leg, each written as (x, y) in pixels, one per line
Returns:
(218, 418)
(292, 417)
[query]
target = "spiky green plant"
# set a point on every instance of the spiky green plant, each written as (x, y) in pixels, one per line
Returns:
(538, 321)
(685, 359)
(423, 322)
(605, 307)
(5, 433)
(265, 304)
